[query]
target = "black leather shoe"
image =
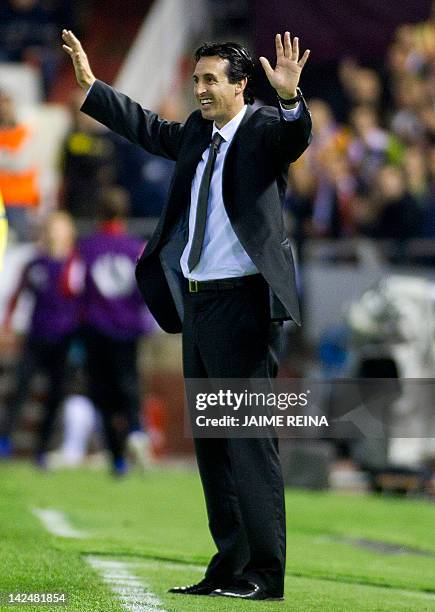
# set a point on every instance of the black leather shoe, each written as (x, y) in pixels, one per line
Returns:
(202, 588)
(245, 589)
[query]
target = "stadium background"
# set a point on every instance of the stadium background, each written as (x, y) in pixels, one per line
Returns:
(360, 206)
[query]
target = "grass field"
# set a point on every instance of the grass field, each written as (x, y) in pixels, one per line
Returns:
(151, 532)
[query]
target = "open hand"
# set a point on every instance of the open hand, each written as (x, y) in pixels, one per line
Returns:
(285, 77)
(83, 71)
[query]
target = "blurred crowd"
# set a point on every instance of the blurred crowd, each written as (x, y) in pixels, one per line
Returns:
(373, 174)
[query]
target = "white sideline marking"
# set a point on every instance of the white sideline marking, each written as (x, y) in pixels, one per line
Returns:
(56, 523)
(128, 588)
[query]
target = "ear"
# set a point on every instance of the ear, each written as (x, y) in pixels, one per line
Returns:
(241, 85)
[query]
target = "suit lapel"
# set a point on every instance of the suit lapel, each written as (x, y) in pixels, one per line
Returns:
(195, 146)
(249, 112)
(230, 154)
(192, 156)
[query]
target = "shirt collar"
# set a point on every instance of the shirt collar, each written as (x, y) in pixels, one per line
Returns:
(227, 132)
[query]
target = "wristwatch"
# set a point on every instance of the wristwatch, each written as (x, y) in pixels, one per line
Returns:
(291, 101)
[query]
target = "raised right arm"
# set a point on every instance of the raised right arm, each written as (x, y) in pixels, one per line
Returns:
(127, 118)
(118, 112)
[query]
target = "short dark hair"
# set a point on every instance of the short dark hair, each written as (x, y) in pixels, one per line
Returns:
(240, 63)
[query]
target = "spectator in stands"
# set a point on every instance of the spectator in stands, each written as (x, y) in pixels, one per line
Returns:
(18, 175)
(417, 45)
(329, 137)
(298, 205)
(89, 162)
(342, 186)
(362, 86)
(364, 213)
(367, 149)
(410, 97)
(398, 214)
(53, 322)
(115, 318)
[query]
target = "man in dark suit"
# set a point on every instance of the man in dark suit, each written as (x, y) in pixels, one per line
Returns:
(219, 269)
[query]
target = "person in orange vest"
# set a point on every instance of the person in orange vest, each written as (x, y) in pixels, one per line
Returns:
(18, 177)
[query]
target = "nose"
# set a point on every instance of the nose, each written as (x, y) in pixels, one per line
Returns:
(200, 89)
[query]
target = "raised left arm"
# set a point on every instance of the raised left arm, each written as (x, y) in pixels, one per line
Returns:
(284, 78)
(287, 138)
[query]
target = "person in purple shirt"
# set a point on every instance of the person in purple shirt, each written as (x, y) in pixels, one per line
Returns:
(54, 320)
(114, 318)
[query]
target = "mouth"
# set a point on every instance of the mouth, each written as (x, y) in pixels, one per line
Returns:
(206, 103)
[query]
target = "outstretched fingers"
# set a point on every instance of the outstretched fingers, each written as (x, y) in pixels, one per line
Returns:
(287, 45)
(278, 46)
(304, 58)
(75, 40)
(267, 67)
(285, 50)
(295, 49)
(71, 41)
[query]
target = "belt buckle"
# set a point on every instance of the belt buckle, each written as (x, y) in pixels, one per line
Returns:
(193, 286)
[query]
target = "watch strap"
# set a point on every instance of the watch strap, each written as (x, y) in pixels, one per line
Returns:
(290, 101)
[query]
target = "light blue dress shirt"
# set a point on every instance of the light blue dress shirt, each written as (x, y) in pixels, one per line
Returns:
(222, 254)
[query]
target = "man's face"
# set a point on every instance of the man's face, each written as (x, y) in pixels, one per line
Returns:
(219, 99)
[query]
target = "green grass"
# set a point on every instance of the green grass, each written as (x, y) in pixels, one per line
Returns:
(158, 523)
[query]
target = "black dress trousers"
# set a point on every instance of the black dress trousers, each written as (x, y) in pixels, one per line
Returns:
(228, 334)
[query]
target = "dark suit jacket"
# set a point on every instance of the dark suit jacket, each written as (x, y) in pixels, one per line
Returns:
(254, 183)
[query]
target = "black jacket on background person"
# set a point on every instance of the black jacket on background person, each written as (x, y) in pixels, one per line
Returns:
(254, 183)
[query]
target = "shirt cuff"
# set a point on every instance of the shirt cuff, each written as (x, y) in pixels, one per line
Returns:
(87, 93)
(290, 114)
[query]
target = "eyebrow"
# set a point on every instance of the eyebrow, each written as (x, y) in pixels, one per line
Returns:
(207, 74)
